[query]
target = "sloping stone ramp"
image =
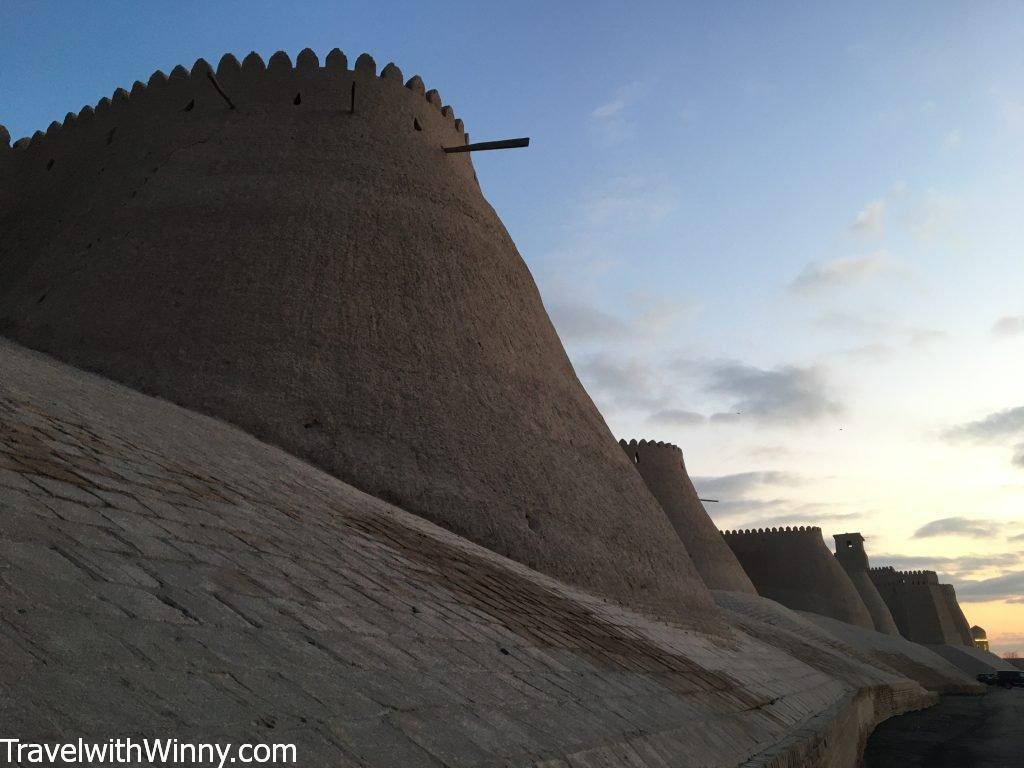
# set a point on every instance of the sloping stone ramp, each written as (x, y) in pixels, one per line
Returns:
(165, 574)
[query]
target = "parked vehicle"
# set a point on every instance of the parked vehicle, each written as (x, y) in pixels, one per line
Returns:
(1013, 679)
(1003, 678)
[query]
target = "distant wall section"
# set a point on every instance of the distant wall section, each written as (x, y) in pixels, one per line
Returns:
(794, 567)
(963, 627)
(851, 556)
(663, 469)
(924, 611)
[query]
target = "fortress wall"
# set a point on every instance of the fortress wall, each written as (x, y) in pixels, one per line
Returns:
(7, 188)
(918, 605)
(817, 640)
(795, 568)
(663, 469)
(963, 627)
(973, 661)
(334, 283)
(854, 560)
(881, 617)
(241, 595)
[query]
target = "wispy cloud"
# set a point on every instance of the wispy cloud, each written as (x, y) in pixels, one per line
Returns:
(935, 220)
(576, 321)
(870, 351)
(871, 219)
(993, 426)
(600, 228)
(676, 417)
(613, 119)
(958, 526)
(767, 513)
(1009, 586)
(627, 201)
(769, 452)
(922, 337)
(654, 313)
(1009, 325)
(779, 395)
(1013, 113)
(959, 567)
(748, 500)
(802, 518)
(952, 140)
(625, 382)
(742, 483)
(850, 322)
(840, 273)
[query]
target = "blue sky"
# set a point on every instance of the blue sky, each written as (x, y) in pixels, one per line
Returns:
(786, 236)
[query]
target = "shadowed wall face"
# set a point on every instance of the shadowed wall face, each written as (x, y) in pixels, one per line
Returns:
(851, 555)
(795, 568)
(850, 551)
(312, 266)
(662, 467)
(920, 606)
(963, 627)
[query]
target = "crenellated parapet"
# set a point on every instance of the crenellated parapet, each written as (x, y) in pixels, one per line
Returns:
(253, 85)
(663, 469)
(634, 448)
(889, 575)
(811, 530)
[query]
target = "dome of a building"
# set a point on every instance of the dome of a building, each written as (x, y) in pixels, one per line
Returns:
(979, 637)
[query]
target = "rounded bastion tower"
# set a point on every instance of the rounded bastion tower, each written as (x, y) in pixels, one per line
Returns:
(794, 567)
(290, 248)
(663, 469)
(851, 555)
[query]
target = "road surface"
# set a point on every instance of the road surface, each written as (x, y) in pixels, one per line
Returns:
(959, 732)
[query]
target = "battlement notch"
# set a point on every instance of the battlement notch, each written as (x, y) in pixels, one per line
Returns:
(253, 85)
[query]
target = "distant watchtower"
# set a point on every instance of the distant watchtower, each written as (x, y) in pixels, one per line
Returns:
(850, 551)
(854, 560)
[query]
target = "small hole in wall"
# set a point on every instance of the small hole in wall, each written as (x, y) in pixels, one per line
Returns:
(190, 106)
(49, 165)
(849, 544)
(41, 299)
(636, 458)
(297, 100)
(416, 124)
(110, 140)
